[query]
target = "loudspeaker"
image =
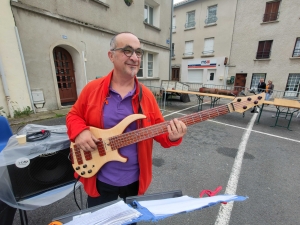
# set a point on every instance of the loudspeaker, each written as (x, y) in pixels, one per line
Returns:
(44, 173)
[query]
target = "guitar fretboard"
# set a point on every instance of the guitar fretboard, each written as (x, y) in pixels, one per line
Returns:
(135, 136)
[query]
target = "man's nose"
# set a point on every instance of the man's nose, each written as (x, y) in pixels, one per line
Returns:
(134, 56)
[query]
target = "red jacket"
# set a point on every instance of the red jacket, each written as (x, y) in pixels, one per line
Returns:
(87, 111)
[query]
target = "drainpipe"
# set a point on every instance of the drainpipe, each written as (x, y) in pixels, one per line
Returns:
(84, 61)
(24, 68)
(6, 91)
(171, 28)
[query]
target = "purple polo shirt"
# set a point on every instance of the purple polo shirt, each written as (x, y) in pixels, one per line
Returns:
(114, 172)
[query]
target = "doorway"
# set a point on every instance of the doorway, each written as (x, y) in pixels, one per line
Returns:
(175, 74)
(65, 76)
(240, 82)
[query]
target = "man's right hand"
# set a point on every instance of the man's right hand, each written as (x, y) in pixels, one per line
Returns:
(86, 141)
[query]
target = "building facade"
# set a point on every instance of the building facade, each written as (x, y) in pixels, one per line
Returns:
(266, 44)
(14, 88)
(201, 41)
(65, 43)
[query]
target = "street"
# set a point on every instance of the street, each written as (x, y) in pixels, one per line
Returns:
(268, 174)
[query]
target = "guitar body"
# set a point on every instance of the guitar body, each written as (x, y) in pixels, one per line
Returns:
(87, 164)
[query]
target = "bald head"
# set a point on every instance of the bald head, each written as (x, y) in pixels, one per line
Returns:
(114, 39)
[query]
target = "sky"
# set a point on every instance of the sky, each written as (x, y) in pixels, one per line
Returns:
(176, 1)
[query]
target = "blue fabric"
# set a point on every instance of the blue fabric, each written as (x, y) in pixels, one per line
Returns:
(148, 216)
(5, 132)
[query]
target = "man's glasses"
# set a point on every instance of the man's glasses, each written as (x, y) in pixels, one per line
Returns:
(128, 51)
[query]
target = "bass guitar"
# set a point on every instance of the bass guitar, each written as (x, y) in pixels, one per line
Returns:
(87, 164)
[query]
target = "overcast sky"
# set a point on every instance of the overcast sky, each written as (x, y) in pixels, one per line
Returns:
(176, 1)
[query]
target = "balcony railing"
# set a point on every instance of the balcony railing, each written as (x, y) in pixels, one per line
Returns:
(188, 53)
(209, 52)
(263, 55)
(210, 20)
(270, 17)
(296, 52)
(190, 24)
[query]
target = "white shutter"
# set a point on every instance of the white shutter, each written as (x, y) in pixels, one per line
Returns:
(208, 46)
(195, 76)
(174, 24)
(189, 45)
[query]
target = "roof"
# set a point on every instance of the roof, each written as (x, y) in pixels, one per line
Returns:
(183, 3)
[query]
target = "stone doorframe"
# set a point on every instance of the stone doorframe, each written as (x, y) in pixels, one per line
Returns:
(77, 56)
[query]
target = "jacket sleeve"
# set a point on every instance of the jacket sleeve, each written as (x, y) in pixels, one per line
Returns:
(75, 119)
(164, 138)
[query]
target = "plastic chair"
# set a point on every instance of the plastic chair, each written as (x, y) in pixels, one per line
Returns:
(5, 132)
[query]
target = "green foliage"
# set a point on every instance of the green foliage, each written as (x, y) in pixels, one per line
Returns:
(59, 115)
(25, 112)
(2, 112)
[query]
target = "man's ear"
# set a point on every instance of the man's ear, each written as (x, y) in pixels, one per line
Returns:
(110, 55)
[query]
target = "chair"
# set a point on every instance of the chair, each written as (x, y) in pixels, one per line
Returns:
(5, 132)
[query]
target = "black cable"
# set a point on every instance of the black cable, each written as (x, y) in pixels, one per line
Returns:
(37, 136)
(74, 192)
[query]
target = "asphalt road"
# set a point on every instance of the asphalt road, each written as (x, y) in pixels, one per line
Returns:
(268, 174)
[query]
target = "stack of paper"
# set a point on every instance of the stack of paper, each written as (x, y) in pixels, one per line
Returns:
(115, 214)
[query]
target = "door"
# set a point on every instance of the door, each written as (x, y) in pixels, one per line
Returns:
(65, 76)
(175, 74)
(240, 82)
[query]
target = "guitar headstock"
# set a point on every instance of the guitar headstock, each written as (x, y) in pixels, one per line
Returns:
(242, 104)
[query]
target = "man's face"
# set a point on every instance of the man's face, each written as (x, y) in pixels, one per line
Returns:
(124, 64)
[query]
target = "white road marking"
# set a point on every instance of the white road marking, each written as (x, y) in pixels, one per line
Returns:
(225, 210)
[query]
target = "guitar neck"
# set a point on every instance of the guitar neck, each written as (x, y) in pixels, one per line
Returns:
(135, 136)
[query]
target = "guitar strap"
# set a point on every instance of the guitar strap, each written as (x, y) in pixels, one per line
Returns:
(140, 111)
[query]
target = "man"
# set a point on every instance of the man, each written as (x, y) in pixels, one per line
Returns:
(103, 103)
(261, 86)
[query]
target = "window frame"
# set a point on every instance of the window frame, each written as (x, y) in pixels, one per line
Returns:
(271, 11)
(146, 20)
(208, 52)
(264, 49)
(192, 49)
(190, 24)
(212, 21)
(296, 51)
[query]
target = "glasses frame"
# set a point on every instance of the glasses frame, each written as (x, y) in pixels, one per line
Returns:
(133, 51)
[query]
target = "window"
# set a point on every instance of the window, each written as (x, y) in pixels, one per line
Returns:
(174, 24)
(208, 46)
(172, 53)
(189, 45)
(296, 52)
(211, 76)
(190, 20)
(271, 11)
(293, 85)
(264, 50)
(211, 14)
(140, 73)
(148, 14)
(255, 80)
(150, 65)
(151, 13)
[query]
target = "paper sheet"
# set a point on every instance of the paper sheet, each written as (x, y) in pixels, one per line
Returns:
(173, 206)
(115, 214)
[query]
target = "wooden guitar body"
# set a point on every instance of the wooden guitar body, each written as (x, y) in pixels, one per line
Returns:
(87, 164)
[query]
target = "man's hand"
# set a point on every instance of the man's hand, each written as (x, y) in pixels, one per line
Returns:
(176, 129)
(86, 141)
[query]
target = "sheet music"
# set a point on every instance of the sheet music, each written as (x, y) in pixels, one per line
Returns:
(172, 206)
(115, 214)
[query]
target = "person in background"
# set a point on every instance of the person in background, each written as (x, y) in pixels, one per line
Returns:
(261, 87)
(106, 101)
(269, 89)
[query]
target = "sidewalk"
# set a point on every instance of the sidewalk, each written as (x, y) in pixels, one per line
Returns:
(39, 116)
